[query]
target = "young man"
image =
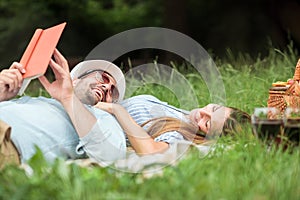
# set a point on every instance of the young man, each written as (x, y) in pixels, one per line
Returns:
(66, 125)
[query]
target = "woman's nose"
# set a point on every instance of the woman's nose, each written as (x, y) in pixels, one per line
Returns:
(204, 112)
(202, 127)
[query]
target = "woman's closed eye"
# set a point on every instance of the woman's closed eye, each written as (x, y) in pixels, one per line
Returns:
(215, 108)
(207, 124)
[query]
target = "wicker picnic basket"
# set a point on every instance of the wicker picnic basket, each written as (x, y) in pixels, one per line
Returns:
(284, 97)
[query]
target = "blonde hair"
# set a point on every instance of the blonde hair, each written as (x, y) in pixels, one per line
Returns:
(190, 132)
(236, 121)
(165, 124)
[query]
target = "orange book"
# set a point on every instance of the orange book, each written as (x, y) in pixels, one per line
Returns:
(38, 53)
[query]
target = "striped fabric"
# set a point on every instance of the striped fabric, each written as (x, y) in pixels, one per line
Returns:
(145, 107)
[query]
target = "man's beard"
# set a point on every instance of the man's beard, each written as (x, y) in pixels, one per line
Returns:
(84, 93)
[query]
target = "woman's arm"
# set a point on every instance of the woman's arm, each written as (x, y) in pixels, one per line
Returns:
(138, 137)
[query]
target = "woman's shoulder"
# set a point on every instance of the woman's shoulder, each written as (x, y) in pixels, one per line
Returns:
(141, 98)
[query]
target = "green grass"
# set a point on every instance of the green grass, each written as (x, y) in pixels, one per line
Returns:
(239, 168)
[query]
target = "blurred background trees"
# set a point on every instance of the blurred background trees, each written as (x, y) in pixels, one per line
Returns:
(241, 26)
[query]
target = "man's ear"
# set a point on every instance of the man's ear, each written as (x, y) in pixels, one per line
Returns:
(75, 81)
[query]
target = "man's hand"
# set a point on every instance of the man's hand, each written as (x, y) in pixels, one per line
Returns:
(11, 81)
(62, 88)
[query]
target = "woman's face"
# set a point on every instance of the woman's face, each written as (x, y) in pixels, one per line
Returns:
(212, 115)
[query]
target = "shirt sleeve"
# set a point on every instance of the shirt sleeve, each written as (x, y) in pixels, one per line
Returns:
(169, 137)
(106, 140)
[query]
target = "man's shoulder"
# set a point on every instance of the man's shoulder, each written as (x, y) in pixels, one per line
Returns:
(39, 100)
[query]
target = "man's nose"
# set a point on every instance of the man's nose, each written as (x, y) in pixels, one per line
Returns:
(106, 86)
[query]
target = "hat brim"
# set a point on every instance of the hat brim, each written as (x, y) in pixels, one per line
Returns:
(103, 65)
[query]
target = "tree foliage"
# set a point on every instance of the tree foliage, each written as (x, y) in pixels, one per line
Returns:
(89, 22)
(250, 26)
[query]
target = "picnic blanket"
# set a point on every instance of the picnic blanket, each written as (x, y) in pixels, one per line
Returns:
(147, 165)
(150, 164)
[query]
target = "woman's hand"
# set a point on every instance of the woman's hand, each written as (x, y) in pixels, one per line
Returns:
(108, 107)
(11, 81)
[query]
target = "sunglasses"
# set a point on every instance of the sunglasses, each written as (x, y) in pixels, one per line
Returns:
(103, 78)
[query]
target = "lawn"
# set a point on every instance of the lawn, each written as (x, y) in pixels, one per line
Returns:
(239, 168)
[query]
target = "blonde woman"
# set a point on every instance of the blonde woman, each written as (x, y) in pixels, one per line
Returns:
(152, 125)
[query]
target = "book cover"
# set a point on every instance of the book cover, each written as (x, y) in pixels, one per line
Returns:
(38, 53)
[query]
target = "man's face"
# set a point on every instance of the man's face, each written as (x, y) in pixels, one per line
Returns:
(96, 86)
